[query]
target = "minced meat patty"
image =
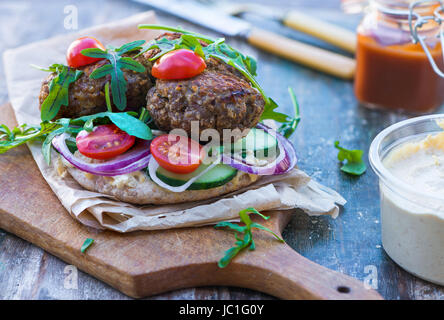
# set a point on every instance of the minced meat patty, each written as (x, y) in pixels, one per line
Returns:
(87, 96)
(219, 98)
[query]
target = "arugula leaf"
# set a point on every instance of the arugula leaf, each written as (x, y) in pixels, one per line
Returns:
(58, 89)
(116, 63)
(47, 144)
(22, 134)
(218, 49)
(126, 122)
(289, 127)
(88, 242)
(247, 239)
(199, 36)
(354, 164)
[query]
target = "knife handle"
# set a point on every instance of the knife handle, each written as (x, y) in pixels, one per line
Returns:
(317, 28)
(316, 58)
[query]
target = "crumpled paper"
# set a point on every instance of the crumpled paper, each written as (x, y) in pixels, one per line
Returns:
(289, 191)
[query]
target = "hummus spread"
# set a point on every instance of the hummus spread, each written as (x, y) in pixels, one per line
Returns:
(413, 222)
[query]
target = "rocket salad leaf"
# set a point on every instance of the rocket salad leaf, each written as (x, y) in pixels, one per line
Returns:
(22, 134)
(217, 48)
(353, 160)
(116, 63)
(247, 240)
(126, 121)
(58, 89)
(289, 126)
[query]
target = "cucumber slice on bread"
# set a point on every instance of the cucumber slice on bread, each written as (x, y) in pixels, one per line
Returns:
(217, 176)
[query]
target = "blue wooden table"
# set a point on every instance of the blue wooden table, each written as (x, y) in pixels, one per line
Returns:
(350, 244)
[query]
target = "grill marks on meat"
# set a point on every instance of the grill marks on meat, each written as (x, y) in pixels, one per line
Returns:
(87, 96)
(219, 98)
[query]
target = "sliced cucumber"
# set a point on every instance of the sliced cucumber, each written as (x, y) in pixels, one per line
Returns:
(257, 140)
(217, 176)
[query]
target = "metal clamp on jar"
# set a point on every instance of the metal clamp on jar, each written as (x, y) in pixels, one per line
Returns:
(393, 69)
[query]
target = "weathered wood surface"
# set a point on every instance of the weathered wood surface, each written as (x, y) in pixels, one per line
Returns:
(350, 244)
(142, 264)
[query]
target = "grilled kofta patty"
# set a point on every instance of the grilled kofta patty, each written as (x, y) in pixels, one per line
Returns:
(219, 98)
(87, 96)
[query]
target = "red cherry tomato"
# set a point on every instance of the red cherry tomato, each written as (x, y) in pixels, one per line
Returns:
(104, 142)
(75, 58)
(178, 64)
(176, 153)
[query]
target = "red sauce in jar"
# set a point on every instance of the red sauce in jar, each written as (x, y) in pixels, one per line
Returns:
(397, 76)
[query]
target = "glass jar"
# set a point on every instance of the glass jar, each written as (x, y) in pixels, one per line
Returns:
(412, 216)
(393, 72)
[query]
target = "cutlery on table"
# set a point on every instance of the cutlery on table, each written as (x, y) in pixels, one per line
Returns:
(328, 32)
(311, 56)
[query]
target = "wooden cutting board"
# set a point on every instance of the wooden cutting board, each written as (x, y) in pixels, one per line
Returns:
(144, 263)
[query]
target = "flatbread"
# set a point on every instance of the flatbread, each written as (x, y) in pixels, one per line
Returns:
(138, 188)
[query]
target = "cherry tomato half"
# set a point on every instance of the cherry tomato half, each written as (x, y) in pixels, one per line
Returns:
(104, 142)
(178, 64)
(75, 58)
(176, 153)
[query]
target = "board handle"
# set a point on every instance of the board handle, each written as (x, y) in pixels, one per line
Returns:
(331, 33)
(282, 272)
(316, 58)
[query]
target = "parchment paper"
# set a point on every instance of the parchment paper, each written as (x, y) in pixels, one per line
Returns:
(293, 190)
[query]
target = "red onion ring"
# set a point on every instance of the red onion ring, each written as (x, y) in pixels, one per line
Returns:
(135, 159)
(285, 162)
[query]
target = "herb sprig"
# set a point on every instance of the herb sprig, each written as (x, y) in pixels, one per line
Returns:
(11, 138)
(247, 240)
(58, 89)
(353, 160)
(126, 121)
(117, 62)
(217, 48)
(289, 126)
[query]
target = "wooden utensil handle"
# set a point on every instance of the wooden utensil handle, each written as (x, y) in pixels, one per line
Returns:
(316, 58)
(282, 272)
(328, 32)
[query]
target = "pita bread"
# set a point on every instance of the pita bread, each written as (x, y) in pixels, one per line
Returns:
(138, 188)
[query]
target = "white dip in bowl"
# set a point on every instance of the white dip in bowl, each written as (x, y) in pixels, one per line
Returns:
(408, 157)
